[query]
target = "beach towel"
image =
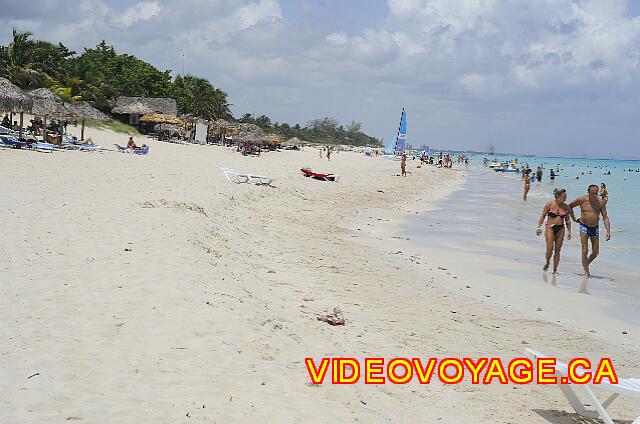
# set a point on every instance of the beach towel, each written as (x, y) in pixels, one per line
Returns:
(318, 176)
(143, 151)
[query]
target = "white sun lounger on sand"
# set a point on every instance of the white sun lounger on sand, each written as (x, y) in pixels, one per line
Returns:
(240, 177)
(626, 387)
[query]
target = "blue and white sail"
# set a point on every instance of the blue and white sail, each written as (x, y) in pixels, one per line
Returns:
(401, 137)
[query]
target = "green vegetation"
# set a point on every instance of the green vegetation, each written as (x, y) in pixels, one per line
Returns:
(100, 75)
(115, 126)
(200, 98)
(320, 131)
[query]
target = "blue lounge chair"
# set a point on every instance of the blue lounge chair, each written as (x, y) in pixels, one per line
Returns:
(45, 147)
(143, 151)
(9, 142)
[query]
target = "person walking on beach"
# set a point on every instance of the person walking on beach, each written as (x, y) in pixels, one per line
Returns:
(557, 213)
(591, 207)
(329, 153)
(527, 183)
(604, 194)
(403, 164)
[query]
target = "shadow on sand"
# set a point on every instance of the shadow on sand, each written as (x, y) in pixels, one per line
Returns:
(562, 417)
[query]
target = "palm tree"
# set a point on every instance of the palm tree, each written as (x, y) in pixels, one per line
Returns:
(17, 63)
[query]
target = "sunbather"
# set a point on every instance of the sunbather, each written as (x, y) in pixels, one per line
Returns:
(131, 144)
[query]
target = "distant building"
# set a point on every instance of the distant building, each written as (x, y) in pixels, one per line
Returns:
(129, 109)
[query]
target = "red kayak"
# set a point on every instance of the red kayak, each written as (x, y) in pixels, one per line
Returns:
(317, 176)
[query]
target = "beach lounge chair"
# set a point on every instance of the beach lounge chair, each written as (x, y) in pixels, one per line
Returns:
(626, 386)
(40, 146)
(90, 147)
(122, 149)
(10, 142)
(71, 144)
(7, 131)
(240, 177)
(321, 177)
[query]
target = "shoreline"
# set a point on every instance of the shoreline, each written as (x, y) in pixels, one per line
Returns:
(504, 280)
(149, 288)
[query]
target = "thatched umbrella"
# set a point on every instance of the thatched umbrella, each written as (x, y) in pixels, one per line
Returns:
(13, 99)
(169, 129)
(84, 111)
(46, 103)
(292, 142)
(274, 139)
(159, 118)
(220, 124)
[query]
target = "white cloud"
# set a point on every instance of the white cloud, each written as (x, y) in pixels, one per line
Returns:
(473, 82)
(338, 38)
(468, 64)
(262, 11)
(140, 12)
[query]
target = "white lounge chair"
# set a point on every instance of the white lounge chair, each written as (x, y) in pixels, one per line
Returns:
(626, 387)
(240, 177)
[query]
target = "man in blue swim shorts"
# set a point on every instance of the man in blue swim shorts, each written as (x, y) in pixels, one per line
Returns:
(591, 207)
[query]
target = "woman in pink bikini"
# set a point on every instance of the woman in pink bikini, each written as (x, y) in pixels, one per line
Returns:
(557, 213)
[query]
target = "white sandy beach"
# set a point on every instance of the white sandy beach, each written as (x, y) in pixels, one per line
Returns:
(151, 290)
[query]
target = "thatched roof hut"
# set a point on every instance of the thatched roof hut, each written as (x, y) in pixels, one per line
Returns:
(46, 102)
(159, 118)
(144, 105)
(12, 98)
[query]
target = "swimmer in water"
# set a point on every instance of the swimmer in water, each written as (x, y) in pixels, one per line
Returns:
(527, 184)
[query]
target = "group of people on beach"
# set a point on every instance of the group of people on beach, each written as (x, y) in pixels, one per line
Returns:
(559, 216)
(528, 177)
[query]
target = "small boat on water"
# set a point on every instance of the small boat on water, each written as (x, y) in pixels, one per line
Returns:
(496, 165)
(505, 167)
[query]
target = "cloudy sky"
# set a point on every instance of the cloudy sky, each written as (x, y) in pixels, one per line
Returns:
(553, 77)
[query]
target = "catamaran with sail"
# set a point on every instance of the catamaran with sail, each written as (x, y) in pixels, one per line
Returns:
(397, 146)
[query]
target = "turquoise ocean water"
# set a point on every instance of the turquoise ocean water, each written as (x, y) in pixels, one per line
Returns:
(488, 210)
(575, 175)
